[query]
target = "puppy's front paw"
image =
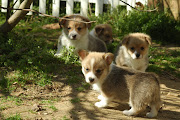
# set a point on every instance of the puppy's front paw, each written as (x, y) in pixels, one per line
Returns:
(100, 97)
(128, 112)
(100, 104)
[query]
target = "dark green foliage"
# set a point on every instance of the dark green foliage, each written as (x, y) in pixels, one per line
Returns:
(160, 26)
(163, 29)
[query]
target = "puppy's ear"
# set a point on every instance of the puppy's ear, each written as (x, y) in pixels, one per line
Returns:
(109, 57)
(148, 39)
(82, 54)
(125, 40)
(63, 21)
(86, 20)
(98, 29)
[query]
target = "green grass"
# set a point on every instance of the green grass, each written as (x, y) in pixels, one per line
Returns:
(14, 117)
(50, 104)
(75, 100)
(27, 53)
(28, 56)
(165, 61)
(53, 108)
(14, 100)
(84, 86)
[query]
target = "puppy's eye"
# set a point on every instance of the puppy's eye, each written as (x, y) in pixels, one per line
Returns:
(142, 48)
(98, 71)
(132, 48)
(69, 28)
(87, 69)
(79, 28)
(107, 36)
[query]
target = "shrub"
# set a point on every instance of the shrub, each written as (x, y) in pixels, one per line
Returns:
(163, 29)
(160, 26)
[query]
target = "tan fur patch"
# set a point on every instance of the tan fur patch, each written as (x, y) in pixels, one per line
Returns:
(138, 42)
(104, 32)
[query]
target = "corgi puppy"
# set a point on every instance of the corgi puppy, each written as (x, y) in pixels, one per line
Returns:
(134, 51)
(140, 89)
(96, 44)
(103, 32)
(74, 33)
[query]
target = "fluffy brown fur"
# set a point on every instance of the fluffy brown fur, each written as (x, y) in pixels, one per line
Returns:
(104, 32)
(134, 51)
(121, 84)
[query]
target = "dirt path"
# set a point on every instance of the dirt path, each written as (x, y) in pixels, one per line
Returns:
(69, 101)
(62, 101)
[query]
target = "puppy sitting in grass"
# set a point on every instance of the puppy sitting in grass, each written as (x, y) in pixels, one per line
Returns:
(120, 84)
(99, 37)
(134, 51)
(103, 32)
(74, 33)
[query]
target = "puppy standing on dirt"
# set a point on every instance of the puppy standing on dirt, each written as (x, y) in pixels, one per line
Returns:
(121, 84)
(74, 33)
(134, 51)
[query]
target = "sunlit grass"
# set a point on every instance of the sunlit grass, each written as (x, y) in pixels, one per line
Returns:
(165, 60)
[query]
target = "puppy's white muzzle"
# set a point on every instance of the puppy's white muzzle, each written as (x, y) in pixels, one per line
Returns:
(90, 77)
(136, 55)
(73, 35)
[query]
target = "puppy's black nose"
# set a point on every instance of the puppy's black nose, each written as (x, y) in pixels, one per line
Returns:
(137, 55)
(74, 36)
(91, 79)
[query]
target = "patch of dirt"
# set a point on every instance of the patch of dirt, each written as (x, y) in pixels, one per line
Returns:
(169, 47)
(51, 26)
(62, 100)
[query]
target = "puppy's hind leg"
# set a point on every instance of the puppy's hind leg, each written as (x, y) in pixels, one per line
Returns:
(153, 112)
(135, 109)
(154, 109)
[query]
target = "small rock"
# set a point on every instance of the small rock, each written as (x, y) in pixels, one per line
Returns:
(37, 107)
(45, 113)
(15, 83)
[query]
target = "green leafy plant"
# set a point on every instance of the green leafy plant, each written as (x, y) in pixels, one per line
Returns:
(68, 55)
(160, 26)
